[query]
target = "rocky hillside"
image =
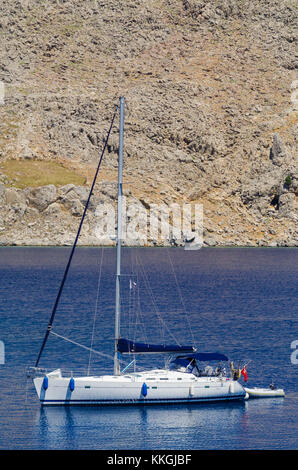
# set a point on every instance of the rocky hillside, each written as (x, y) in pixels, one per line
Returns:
(211, 114)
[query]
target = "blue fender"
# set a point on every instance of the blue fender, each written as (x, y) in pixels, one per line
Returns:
(45, 383)
(72, 384)
(144, 389)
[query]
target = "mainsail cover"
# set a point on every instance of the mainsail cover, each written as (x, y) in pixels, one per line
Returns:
(127, 346)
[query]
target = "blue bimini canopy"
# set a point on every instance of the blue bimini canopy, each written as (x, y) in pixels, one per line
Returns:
(204, 357)
(127, 346)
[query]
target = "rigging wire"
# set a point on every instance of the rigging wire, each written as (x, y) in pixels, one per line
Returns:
(75, 244)
(133, 297)
(132, 302)
(94, 351)
(81, 345)
(139, 314)
(95, 311)
(181, 297)
(154, 303)
(135, 314)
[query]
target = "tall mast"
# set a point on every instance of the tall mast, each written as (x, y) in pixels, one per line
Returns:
(119, 238)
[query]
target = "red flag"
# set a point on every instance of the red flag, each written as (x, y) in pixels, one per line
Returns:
(244, 373)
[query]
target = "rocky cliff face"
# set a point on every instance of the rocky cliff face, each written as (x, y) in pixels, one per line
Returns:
(211, 113)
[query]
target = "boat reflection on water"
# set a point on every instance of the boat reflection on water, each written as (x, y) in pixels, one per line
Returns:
(117, 427)
(232, 425)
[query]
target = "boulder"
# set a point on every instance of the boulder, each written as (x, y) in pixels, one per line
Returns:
(14, 196)
(277, 151)
(42, 196)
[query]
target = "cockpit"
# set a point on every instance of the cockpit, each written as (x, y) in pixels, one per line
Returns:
(191, 364)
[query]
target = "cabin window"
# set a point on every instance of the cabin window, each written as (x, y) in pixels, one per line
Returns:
(163, 378)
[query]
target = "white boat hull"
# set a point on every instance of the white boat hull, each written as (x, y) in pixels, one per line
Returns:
(264, 392)
(160, 387)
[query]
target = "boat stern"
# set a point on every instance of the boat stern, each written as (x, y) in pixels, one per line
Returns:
(235, 388)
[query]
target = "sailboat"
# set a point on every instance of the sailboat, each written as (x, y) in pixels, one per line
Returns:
(182, 380)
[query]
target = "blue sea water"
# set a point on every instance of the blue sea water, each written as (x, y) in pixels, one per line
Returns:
(239, 301)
